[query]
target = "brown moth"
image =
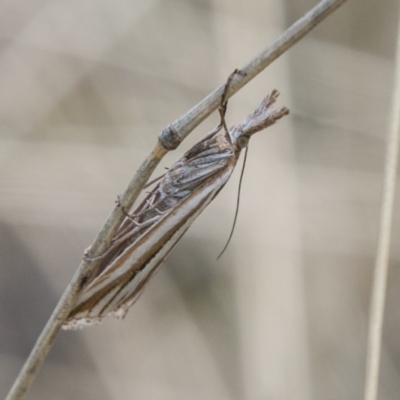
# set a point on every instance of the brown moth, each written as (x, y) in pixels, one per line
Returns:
(146, 237)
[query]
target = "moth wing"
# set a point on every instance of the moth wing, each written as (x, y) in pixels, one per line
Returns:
(186, 189)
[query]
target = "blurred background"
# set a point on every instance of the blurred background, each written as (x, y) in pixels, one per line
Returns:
(86, 86)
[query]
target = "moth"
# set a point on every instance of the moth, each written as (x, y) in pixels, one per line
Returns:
(156, 225)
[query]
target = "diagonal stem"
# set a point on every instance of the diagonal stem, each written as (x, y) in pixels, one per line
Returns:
(169, 139)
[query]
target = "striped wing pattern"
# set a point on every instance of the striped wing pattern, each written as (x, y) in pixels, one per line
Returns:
(145, 239)
(147, 236)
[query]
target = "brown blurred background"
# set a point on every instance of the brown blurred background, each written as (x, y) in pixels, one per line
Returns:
(85, 87)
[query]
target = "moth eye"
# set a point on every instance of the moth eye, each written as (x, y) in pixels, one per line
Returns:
(242, 142)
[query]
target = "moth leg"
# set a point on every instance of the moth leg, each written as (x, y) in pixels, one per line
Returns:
(152, 207)
(208, 136)
(114, 244)
(224, 100)
(127, 215)
(222, 111)
(129, 231)
(150, 203)
(86, 256)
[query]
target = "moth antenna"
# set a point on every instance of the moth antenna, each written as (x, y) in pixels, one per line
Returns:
(237, 204)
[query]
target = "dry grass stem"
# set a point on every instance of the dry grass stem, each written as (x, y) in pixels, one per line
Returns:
(383, 250)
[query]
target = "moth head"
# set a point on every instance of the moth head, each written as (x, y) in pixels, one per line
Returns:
(264, 116)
